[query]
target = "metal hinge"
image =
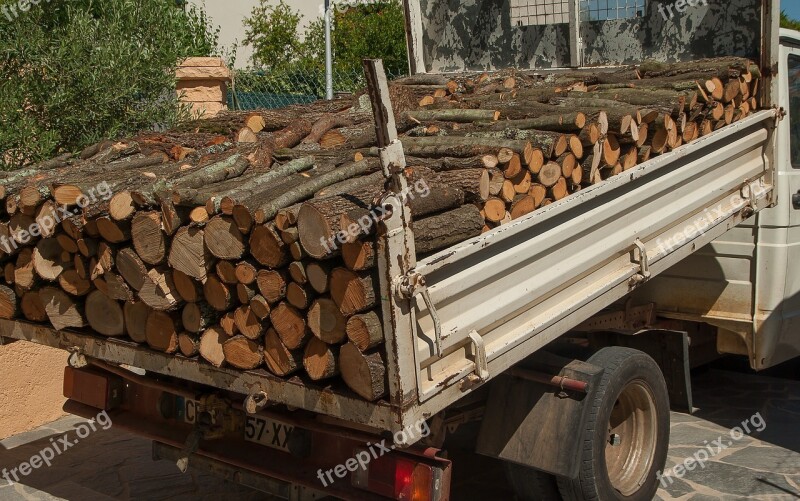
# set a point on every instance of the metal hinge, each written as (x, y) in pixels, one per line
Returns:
(414, 284)
(644, 264)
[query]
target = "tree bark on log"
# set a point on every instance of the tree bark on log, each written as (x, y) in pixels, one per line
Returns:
(364, 373)
(443, 230)
(365, 331)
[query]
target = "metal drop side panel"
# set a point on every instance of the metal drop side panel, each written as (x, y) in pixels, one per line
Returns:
(520, 286)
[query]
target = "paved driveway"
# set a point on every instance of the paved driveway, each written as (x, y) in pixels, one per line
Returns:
(761, 465)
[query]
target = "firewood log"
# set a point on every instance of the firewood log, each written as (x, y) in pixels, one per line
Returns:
(280, 360)
(365, 330)
(290, 324)
(243, 353)
(321, 360)
(149, 239)
(363, 372)
(211, 342)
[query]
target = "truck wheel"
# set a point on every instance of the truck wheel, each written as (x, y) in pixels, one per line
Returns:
(532, 485)
(626, 436)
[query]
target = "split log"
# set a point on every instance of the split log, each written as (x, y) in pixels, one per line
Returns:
(290, 324)
(353, 292)
(248, 323)
(63, 311)
(280, 360)
(189, 254)
(299, 296)
(159, 291)
(321, 360)
(364, 373)
(8, 303)
(149, 239)
(357, 256)
(47, 259)
(211, 346)
(188, 288)
(223, 238)
(242, 353)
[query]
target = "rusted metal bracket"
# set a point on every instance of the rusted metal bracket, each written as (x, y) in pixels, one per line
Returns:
(644, 264)
(393, 160)
(414, 284)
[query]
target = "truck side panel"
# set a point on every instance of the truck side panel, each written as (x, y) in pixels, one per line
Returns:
(480, 35)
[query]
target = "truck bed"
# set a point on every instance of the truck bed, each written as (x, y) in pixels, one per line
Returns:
(502, 296)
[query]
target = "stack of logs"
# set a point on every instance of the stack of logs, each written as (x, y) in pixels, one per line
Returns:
(249, 239)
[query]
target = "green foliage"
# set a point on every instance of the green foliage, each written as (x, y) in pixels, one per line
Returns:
(787, 22)
(272, 31)
(73, 72)
(292, 62)
(373, 30)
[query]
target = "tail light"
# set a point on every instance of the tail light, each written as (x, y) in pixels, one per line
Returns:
(397, 477)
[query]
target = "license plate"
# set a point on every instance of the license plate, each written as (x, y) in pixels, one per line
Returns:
(191, 408)
(268, 432)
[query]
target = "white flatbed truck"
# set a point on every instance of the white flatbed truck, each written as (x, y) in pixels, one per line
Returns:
(693, 247)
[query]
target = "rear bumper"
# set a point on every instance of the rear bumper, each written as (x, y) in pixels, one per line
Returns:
(146, 411)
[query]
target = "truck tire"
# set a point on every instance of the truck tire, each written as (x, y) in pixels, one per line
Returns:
(532, 485)
(630, 408)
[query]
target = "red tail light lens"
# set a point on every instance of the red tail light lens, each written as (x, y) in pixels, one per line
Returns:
(412, 481)
(397, 478)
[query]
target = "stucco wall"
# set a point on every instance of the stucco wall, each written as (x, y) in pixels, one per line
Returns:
(30, 386)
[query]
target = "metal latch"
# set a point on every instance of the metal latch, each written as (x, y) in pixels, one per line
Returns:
(481, 363)
(414, 284)
(644, 264)
(481, 373)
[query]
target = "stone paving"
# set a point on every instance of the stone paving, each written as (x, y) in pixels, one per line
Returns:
(761, 465)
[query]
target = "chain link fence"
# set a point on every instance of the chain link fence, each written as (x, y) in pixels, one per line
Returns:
(252, 89)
